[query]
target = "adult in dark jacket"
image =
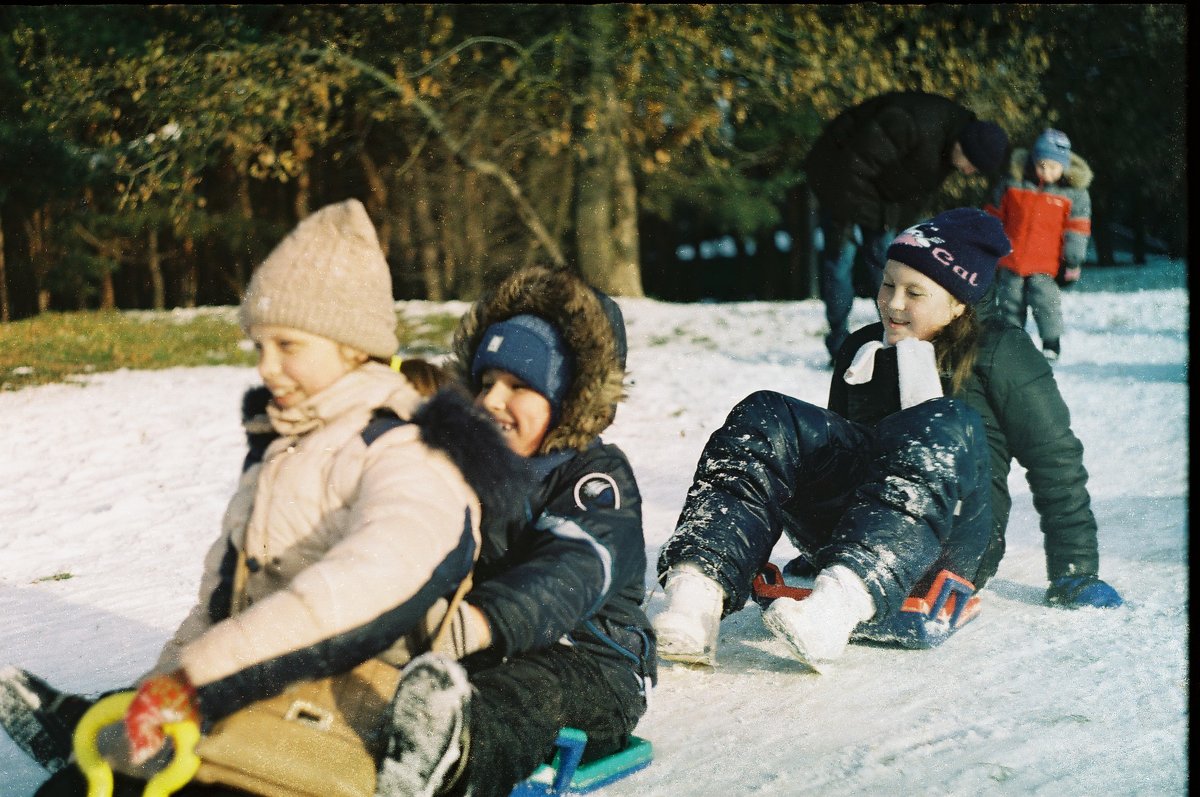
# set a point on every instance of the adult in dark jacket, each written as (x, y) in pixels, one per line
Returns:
(882, 507)
(552, 634)
(875, 164)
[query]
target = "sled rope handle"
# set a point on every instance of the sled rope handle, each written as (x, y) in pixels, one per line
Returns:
(99, 774)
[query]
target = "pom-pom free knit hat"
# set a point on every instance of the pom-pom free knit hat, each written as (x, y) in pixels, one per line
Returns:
(328, 277)
(957, 249)
(985, 144)
(1053, 145)
(530, 348)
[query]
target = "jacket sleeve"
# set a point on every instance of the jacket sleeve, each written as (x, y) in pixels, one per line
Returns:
(1078, 229)
(409, 539)
(584, 546)
(1037, 426)
(878, 142)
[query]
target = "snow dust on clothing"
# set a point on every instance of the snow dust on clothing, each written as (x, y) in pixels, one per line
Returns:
(1014, 390)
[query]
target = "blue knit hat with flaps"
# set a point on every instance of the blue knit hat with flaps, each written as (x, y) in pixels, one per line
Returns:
(529, 348)
(1053, 145)
(957, 249)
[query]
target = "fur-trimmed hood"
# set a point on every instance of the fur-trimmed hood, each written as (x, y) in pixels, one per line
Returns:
(1078, 175)
(579, 314)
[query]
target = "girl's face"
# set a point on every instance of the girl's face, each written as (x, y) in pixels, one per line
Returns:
(911, 305)
(297, 365)
(522, 413)
(1048, 171)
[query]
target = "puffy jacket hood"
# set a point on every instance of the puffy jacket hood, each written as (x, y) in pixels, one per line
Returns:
(1078, 175)
(589, 331)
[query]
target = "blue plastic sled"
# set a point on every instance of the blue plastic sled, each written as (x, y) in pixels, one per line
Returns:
(924, 621)
(566, 776)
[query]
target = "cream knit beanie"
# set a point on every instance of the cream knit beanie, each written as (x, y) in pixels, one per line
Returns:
(328, 277)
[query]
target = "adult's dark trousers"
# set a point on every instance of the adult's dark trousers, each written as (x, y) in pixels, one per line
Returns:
(895, 502)
(840, 250)
(519, 706)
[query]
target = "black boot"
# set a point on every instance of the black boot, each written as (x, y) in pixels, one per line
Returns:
(39, 718)
(426, 747)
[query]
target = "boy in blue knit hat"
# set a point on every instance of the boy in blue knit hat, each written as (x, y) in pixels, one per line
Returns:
(1047, 214)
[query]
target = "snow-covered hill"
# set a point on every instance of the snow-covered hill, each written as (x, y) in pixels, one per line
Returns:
(111, 492)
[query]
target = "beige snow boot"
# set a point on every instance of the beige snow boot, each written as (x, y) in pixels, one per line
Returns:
(687, 628)
(817, 629)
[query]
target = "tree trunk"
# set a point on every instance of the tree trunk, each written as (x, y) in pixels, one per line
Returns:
(189, 283)
(108, 294)
(5, 315)
(35, 234)
(303, 177)
(803, 280)
(427, 236)
(377, 199)
(245, 264)
(154, 265)
(606, 198)
(594, 186)
(626, 273)
(470, 285)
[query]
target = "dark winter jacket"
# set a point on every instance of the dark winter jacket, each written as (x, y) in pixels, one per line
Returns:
(1013, 389)
(1048, 225)
(575, 571)
(876, 162)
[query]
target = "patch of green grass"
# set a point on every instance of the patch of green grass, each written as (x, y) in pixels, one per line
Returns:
(428, 335)
(55, 577)
(53, 347)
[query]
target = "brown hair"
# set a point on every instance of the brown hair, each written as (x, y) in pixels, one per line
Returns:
(955, 348)
(426, 377)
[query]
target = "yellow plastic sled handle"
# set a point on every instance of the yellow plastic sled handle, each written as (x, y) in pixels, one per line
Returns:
(97, 771)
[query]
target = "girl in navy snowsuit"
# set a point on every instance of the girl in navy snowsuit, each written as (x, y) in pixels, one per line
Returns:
(881, 507)
(552, 633)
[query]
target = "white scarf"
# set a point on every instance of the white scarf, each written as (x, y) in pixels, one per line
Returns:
(916, 362)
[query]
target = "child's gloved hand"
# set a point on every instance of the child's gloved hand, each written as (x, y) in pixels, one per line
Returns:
(1073, 592)
(160, 700)
(467, 633)
(1069, 275)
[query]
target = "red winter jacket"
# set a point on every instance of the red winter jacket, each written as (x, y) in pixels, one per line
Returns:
(1047, 224)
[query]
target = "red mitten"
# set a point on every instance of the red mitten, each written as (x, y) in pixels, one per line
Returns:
(161, 699)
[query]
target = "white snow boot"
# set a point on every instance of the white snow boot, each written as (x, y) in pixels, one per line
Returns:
(39, 718)
(687, 628)
(817, 628)
(428, 728)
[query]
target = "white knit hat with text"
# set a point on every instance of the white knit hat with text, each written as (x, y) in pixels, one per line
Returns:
(328, 277)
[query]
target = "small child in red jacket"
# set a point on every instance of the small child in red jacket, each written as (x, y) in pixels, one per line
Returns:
(1047, 215)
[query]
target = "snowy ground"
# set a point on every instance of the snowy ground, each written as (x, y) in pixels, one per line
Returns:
(111, 492)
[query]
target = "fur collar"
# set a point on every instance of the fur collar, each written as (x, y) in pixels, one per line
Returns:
(1079, 176)
(576, 310)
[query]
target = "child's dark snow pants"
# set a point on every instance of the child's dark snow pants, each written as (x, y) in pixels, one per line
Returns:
(895, 502)
(517, 710)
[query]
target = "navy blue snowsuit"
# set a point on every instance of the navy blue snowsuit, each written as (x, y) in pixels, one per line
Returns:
(582, 555)
(895, 502)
